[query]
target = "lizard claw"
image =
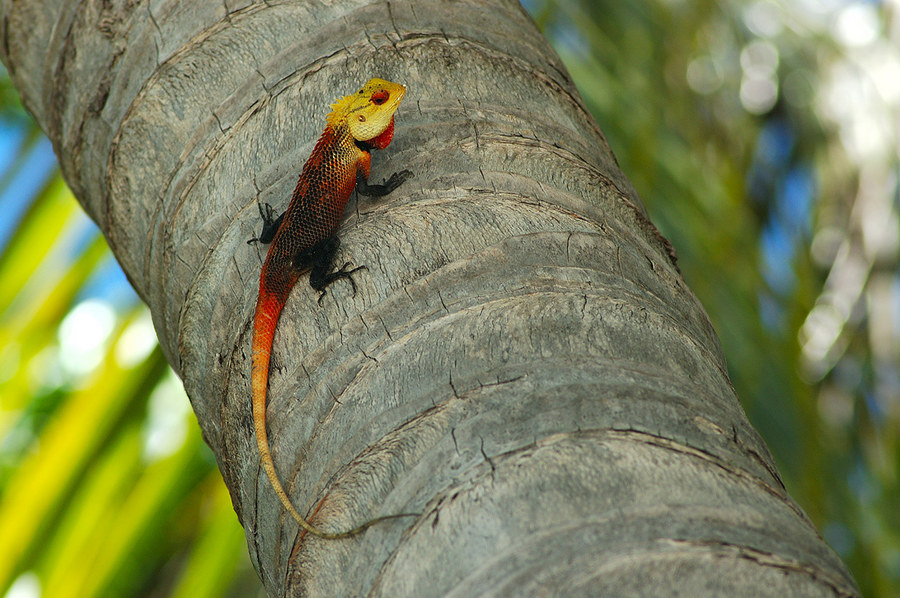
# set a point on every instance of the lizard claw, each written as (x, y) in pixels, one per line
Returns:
(265, 212)
(397, 179)
(343, 272)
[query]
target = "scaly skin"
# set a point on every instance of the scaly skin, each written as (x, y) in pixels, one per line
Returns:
(303, 238)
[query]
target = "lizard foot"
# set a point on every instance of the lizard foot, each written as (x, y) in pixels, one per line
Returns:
(322, 281)
(395, 180)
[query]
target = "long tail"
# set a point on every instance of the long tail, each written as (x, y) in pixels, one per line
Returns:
(268, 309)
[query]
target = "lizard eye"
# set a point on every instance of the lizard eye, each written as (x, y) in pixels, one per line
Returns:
(380, 97)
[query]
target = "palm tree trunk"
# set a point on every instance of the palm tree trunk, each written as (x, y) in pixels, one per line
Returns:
(523, 364)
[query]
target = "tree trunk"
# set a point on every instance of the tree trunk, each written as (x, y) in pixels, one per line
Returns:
(522, 364)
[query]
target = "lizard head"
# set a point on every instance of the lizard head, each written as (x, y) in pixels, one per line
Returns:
(370, 111)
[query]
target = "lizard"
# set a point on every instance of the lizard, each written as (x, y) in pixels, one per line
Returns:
(303, 238)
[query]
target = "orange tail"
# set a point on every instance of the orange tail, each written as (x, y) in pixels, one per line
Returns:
(268, 309)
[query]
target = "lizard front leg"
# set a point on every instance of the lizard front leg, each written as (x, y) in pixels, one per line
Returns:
(395, 180)
(270, 225)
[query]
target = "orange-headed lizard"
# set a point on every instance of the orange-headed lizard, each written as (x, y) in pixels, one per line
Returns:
(303, 237)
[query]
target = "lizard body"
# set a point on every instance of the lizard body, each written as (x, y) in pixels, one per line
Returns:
(303, 237)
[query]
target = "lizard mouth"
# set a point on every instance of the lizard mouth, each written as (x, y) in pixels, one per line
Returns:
(396, 96)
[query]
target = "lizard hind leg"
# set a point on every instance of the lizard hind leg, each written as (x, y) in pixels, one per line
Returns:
(318, 260)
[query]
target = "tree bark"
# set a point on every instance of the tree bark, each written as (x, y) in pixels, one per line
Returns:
(523, 364)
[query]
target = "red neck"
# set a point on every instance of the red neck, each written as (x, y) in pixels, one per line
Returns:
(383, 140)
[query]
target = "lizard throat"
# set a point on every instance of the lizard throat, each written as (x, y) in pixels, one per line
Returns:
(384, 139)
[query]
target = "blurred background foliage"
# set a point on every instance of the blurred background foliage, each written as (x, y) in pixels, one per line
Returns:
(763, 138)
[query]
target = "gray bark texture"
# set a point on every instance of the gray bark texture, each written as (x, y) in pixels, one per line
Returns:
(522, 365)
